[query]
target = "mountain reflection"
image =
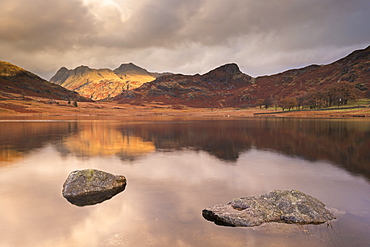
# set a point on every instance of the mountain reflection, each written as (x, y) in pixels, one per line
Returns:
(223, 139)
(19, 138)
(8, 155)
(100, 139)
(343, 142)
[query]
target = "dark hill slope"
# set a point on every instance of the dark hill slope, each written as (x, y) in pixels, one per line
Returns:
(227, 86)
(354, 68)
(15, 80)
(212, 89)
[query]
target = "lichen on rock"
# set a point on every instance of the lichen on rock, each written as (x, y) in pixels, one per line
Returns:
(285, 206)
(90, 186)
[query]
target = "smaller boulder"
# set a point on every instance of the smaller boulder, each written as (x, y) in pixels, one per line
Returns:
(284, 206)
(89, 187)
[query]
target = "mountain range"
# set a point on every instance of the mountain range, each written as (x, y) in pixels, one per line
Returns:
(98, 84)
(225, 86)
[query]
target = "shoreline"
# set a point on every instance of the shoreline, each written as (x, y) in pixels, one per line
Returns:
(45, 108)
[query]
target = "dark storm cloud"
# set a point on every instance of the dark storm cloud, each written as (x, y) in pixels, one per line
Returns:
(182, 36)
(291, 23)
(37, 25)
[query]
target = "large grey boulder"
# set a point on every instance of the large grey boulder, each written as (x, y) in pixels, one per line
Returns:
(88, 187)
(285, 206)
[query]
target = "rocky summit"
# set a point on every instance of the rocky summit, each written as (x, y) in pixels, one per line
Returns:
(285, 206)
(89, 186)
(98, 84)
(216, 88)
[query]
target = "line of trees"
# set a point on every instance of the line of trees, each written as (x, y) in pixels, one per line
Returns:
(335, 94)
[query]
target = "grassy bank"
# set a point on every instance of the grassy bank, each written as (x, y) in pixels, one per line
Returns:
(41, 107)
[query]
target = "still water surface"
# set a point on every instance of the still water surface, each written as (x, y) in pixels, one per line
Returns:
(175, 168)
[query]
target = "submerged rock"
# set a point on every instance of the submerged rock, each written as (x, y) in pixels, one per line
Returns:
(285, 206)
(88, 187)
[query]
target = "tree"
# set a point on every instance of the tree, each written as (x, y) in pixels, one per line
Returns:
(340, 93)
(287, 103)
(268, 102)
(300, 100)
(259, 103)
(334, 94)
(314, 98)
(75, 104)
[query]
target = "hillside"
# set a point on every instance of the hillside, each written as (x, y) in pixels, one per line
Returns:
(354, 68)
(212, 89)
(17, 81)
(227, 86)
(99, 84)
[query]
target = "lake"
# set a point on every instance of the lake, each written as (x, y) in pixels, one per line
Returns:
(175, 167)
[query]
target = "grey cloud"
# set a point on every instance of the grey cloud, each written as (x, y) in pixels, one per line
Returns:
(191, 36)
(37, 25)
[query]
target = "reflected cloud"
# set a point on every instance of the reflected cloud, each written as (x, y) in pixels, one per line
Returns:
(162, 205)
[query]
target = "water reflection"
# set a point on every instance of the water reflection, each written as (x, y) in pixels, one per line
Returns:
(345, 143)
(8, 155)
(19, 138)
(102, 139)
(194, 164)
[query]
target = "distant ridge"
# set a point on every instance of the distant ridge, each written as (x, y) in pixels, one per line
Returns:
(212, 89)
(130, 69)
(99, 84)
(227, 86)
(354, 68)
(16, 80)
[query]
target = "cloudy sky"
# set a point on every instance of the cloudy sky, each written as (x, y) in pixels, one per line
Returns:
(184, 36)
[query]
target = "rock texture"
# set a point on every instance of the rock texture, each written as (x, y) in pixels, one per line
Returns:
(88, 187)
(98, 84)
(286, 206)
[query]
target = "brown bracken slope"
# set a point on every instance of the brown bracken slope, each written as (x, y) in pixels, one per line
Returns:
(15, 80)
(214, 89)
(354, 68)
(227, 86)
